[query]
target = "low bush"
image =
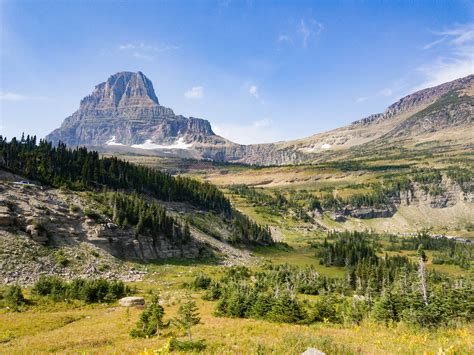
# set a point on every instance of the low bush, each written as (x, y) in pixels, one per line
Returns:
(186, 345)
(13, 296)
(89, 291)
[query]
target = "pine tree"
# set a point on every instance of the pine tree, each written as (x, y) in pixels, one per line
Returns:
(151, 320)
(187, 316)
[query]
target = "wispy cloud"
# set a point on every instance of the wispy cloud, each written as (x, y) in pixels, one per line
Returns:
(284, 38)
(457, 60)
(8, 96)
(253, 90)
(308, 29)
(386, 92)
(361, 99)
(458, 35)
(260, 131)
(143, 50)
(196, 92)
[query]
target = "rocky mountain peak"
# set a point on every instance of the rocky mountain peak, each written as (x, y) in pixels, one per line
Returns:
(123, 89)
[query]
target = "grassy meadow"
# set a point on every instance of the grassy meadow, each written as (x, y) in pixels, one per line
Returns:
(74, 327)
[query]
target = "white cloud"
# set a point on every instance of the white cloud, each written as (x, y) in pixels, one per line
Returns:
(8, 96)
(457, 60)
(196, 92)
(457, 35)
(253, 90)
(283, 38)
(143, 50)
(260, 131)
(309, 29)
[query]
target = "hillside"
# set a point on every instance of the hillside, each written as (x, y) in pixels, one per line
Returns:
(126, 213)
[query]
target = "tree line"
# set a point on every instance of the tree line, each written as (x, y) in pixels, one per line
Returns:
(79, 168)
(125, 186)
(388, 289)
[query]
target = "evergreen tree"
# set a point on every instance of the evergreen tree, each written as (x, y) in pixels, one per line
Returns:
(150, 321)
(188, 316)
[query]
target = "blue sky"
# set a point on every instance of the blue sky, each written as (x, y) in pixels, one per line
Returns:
(260, 71)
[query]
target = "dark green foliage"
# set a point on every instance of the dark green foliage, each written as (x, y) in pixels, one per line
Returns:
(187, 316)
(386, 288)
(286, 309)
(150, 321)
(201, 281)
(375, 198)
(446, 251)
(462, 176)
(347, 249)
(246, 231)
(389, 307)
(89, 291)
(89, 213)
(79, 168)
(187, 345)
(82, 169)
(13, 296)
(213, 292)
(330, 202)
(328, 308)
(147, 217)
(427, 176)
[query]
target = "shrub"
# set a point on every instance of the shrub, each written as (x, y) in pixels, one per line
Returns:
(74, 208)
(151, 320)
(328, 309)
(89, 291)
(89, 213)
(186, 345)
(213, 292)
(14, 296)
(201, 281)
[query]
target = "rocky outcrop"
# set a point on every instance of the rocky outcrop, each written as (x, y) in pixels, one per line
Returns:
(55, 219)
(371, 212)
(446, 193)
(124, 111)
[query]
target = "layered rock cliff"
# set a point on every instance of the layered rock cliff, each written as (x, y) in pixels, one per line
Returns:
(125, 111)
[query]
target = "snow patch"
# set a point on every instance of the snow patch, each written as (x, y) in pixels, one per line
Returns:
(112, 141)
(179, 144)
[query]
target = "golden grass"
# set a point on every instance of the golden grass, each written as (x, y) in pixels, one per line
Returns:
(104, 329)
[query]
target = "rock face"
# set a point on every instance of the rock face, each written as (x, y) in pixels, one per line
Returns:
(124, 112)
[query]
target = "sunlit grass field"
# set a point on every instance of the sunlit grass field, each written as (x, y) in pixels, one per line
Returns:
(104, 328)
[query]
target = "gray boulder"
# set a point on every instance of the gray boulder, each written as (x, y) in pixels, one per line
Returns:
(132, 301)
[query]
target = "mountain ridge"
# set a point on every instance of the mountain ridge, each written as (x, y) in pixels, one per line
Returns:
(123, 114)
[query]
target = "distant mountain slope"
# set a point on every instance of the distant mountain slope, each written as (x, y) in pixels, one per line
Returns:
(426, 111)
(123, 115)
